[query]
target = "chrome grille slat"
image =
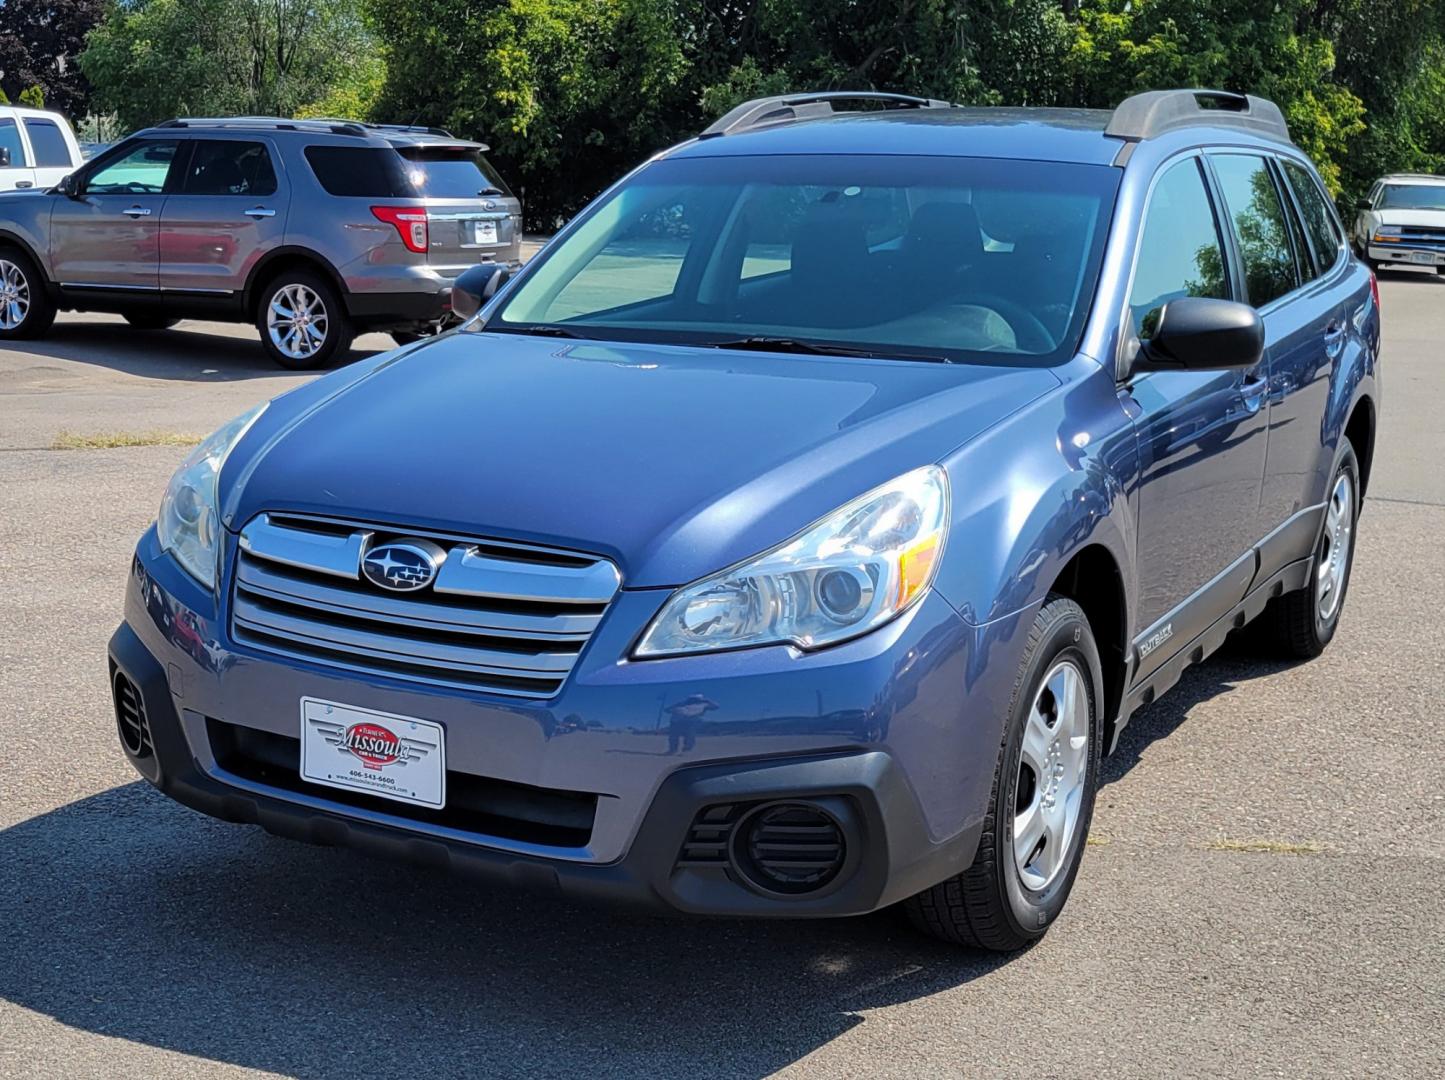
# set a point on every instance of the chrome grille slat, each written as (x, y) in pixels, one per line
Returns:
(512, 626)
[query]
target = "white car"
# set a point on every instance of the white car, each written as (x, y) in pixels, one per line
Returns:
(37, 148)
(1402, 221)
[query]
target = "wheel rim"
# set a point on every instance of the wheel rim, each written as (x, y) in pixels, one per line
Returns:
(297, 321)
(14, 296)
(1053, 770)
(1334, 561)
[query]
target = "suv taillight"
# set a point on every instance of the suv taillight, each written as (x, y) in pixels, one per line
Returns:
(410, 223)
(1375, 289)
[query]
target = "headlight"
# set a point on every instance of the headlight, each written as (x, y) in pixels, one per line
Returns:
(853, 571)
(189, 524)
(1387, 230)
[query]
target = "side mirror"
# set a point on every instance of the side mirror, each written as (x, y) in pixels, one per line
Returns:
(4, 157)
(69, 186)
(1363, 204)
(475, 286)
(1194, 333)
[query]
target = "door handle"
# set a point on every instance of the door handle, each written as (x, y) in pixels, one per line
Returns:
(24, 183)
(259, 212)
(137, 211)
(1334, 338)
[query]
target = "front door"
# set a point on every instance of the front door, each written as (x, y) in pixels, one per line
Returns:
(108, 235)
(16, 172)
(1201, 434)
(228, 209)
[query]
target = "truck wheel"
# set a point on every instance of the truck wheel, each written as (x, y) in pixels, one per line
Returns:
(302, 321)
(26, 310)
(1301, 623)
(1042, 801)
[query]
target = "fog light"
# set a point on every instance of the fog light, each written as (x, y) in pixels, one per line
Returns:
(789, 848)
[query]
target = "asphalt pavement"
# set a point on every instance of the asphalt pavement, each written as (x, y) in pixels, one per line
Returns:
(1261, 895)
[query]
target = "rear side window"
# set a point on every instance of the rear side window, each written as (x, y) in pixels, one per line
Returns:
(10, 140)
(49, 144)
(230, 168)
(1319, 219)
(362, 171)
(1260, 226)
(1179, 250)
(451, 172)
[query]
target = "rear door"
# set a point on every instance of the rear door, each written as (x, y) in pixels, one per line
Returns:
(15, 166)
(228, 210)
(52, 148)
(108, 236)
(472, 216)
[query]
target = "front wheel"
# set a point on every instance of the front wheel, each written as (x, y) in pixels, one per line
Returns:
(26, 310)
(1042, 800)
(302, 322)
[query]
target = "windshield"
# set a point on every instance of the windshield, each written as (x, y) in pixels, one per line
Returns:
(451, 172)
(946, 258)
(1412, 197)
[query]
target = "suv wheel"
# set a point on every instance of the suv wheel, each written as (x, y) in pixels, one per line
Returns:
(26, 310)
(1300, 624)
(302, 322)
(1043, 797)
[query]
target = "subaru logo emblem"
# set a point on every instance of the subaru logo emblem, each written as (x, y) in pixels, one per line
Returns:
(403, 565)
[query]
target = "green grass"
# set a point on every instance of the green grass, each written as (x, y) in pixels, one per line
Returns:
(1265, 847)
(111, 440)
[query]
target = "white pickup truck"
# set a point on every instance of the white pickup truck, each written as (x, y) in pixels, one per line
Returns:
(37, 148)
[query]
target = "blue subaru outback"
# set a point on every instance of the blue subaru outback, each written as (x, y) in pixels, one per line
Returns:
(796, 532)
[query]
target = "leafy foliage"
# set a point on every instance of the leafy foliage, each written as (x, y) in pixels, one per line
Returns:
(39, 43)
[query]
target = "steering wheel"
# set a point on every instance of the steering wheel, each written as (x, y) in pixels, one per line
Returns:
(1030, 334)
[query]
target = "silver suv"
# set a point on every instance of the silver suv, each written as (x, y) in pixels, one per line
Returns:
(312, 229)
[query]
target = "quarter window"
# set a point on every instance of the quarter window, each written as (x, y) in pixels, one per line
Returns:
(1179, 251)
(141, 171)
(1260, 226)
(230, 168)
(51, 149)
(1319, 220)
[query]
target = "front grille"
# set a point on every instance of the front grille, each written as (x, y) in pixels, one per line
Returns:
(475, 804)
(130, 717)
(1422, 236)
(504, 618)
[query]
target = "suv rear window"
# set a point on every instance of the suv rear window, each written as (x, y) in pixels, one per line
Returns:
(451, 172)
(366, 171)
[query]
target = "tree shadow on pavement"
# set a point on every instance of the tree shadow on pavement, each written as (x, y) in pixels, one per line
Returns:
(189, 352)
(130, 916)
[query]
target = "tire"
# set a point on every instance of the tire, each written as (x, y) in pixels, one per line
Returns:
(1299, 624)
(295, 346)
(1001, 903)
(26, 309)
(145, 320)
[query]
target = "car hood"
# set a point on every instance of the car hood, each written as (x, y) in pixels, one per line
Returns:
(674, 462)
(1434, 218)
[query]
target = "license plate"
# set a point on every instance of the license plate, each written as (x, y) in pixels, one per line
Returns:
(484, 232)
(1425, 258)
(376, 753)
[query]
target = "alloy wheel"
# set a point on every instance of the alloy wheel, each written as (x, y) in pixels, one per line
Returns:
(14, 296)
(297, 321)
(1053, 770)
(1334, 561)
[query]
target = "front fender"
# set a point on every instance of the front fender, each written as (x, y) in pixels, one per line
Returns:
(1032, 492)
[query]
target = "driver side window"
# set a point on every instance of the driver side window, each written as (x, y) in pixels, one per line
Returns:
(142, 171)
(1180, 253)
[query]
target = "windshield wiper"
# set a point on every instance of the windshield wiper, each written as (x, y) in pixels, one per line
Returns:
(763, 343)
(539, 330)
(491, 191)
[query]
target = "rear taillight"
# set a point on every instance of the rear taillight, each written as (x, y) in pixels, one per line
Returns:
(410, 223)
(1375, 289)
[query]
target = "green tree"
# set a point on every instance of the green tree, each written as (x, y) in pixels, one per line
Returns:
(153, 59)
(39, 43)
(33, 96)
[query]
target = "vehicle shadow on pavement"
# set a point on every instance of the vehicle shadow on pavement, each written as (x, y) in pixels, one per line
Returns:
(131, 916)
(1221, 674)
(189, 352)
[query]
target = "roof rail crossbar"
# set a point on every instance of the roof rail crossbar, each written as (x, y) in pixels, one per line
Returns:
(784, 108)
(1146, 115)
(276, 123)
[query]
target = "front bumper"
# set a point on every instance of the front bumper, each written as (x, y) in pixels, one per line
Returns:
(1405, 254)
(875, 732)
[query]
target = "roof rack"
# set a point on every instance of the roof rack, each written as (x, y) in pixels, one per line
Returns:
(1146, 115)
(276, 123)
(785, 108)
(416, 129)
